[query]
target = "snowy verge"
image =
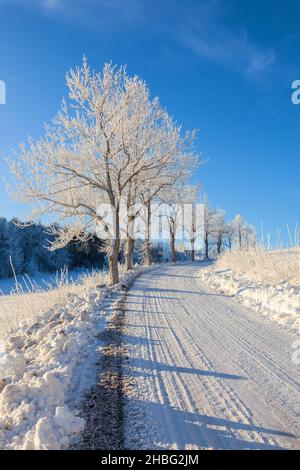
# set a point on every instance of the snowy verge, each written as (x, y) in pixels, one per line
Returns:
(47, 366)
(278, 302)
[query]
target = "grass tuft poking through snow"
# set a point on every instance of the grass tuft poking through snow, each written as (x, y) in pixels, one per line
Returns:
(29, 297)
(267, 282)
(265, 266)
(47, 365)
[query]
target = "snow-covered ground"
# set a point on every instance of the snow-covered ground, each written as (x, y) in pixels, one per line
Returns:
(268, 285)
(41, 281)
(204, 372)
(27, 297)
(46, 367)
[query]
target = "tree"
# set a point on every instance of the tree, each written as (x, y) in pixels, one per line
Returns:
(194, 225)
(249, 236)
(16, 246)
(244, 233)
(4, 248)
(109, 141)
(172, 214)
(239, 224)
(180, 214)
(230, 234)
(208, 224)
(219, 229)
(88, 156)
(175, 162)
(170, 150)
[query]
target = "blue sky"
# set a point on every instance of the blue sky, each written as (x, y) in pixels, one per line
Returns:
(223, 67)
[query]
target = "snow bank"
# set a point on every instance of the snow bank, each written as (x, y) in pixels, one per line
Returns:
(279, 302)
(45, 369)
(32, 296)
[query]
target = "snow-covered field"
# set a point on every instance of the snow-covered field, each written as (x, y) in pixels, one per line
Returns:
(41, 281)
(23, 299)
(46, 366)
(266, 282)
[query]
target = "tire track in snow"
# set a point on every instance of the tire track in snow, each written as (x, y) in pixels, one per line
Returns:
(196, 353)
(237, 338)
(219, 394)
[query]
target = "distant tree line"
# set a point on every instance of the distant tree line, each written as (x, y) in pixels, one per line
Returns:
(220, 234)
(27, 248)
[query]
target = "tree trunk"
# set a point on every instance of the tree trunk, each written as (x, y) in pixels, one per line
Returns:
(114, 253)
(129, 246)
(206, 246)
(172, 248)
(240, 238)
(192, 249)
(113, 262)
(147, 253)
(219, 245)
(147, 248)
(193, 234)
(129, 253)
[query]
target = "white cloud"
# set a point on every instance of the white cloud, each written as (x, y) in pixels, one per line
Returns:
(224, 48)
(203, 31)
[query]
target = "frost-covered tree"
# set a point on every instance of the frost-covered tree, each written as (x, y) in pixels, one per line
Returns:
(173, 157)
(208, 224)
(219, 229)
(249, 236)
(23, 248)
(245, 234)
(162, 182)
(105, 137)
(16, 246)
(229, 234)
(4, 248)
(239, 225)
(194, 224)
(179, 215)
(172, 215)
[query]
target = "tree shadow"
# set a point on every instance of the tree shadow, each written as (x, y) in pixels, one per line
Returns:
(145, 365)
(178, 291)
(151, 296)
(184, 429)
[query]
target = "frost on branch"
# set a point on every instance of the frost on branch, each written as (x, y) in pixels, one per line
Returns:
(109, 140)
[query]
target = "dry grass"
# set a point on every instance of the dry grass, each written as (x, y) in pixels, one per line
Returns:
(26, 304)
(263, 265)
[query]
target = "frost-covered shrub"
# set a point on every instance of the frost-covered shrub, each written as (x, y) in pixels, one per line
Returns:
(264, 265)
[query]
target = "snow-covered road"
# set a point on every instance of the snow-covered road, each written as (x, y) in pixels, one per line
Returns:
(203, 371)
